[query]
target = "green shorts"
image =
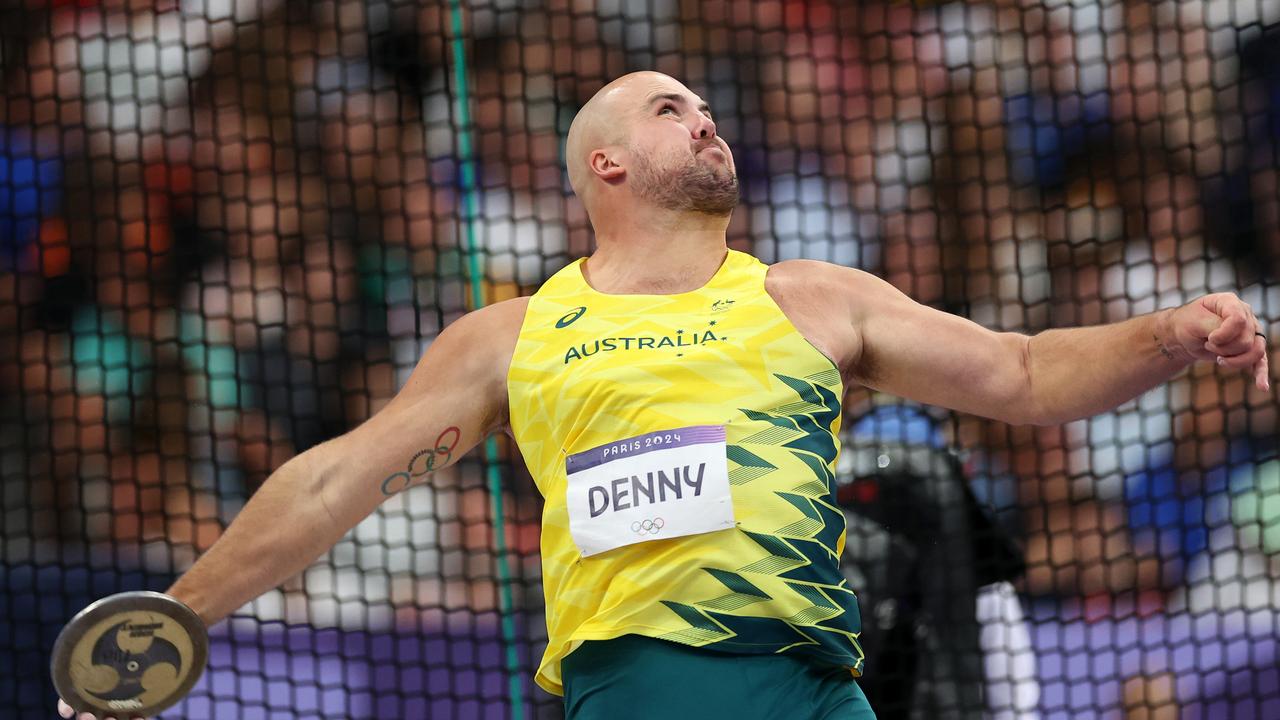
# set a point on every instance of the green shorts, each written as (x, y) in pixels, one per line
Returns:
(643, 678)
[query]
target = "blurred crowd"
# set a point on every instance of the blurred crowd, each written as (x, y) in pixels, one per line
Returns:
(229, 228)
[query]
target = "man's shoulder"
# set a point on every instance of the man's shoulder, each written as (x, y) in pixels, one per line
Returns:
(492, 328)
(802, 266)
(506, 314)
(832, 292)
(811, 277)
(817, 298)
(507, 309)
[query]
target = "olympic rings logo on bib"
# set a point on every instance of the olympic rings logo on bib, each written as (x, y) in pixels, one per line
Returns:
(647, 526)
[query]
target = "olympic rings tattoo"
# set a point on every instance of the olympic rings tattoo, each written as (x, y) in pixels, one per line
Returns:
(424, 461)
(647, 526)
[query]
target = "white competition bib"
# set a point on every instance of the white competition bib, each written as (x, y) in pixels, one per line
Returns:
(658, 485)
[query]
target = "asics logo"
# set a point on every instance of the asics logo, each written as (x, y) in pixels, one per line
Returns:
(570, 317)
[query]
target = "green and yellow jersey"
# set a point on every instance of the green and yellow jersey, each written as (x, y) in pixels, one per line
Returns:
(728, 394)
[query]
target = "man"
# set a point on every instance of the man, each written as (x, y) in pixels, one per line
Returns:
(678, 406)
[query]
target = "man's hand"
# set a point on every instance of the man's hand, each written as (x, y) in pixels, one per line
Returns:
(1219, 327)
(65, 711)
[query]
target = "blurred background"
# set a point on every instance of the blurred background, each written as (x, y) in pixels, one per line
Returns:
(229, 228)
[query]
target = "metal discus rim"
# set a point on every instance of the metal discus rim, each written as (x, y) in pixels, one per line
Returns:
(104, 609)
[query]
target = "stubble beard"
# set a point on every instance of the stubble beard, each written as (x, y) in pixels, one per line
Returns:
(693, 186)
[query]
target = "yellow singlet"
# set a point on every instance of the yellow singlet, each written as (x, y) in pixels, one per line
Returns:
(591, 369)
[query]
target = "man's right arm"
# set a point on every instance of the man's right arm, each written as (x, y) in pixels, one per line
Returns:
(455, 397)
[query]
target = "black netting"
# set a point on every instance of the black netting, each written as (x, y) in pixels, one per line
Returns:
(229, 228)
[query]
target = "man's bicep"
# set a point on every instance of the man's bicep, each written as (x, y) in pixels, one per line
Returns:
(408, 441)
(455, 397)
(922, 354)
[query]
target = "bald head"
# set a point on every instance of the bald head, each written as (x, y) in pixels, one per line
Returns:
(641, 136)
(602, 121)
(588, 131)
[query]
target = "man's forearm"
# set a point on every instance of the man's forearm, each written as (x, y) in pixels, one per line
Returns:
(281, 530)
(1079, 372)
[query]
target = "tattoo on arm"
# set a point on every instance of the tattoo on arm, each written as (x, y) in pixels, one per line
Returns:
(1163, 350)
(423, 462)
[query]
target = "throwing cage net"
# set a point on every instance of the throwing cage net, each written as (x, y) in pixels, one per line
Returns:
(229, 229)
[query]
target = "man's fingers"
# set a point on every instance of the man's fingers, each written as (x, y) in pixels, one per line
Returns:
(1232, 348)
(1231, 327)
(1239, 345)
(1242, 355)
(1220, 333)
(67, 711)
(1238, 362)
(1254, 359)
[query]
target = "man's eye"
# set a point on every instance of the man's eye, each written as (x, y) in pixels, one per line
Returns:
(667, 108)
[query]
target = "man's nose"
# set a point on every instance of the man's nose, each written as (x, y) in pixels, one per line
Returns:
(703, 127)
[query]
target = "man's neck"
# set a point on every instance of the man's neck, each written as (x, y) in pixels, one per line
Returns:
(662, 254)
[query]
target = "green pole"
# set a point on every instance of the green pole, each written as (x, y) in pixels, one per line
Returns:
(475, 270)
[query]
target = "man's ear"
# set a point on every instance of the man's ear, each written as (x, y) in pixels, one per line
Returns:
(603, 163)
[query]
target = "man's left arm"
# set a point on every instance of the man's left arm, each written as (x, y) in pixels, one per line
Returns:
(1079, 372)
(1059, 375)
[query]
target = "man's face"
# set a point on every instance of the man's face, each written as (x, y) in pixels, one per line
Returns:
(677, 159)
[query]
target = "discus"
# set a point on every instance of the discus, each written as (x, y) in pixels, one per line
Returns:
(133, 653)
